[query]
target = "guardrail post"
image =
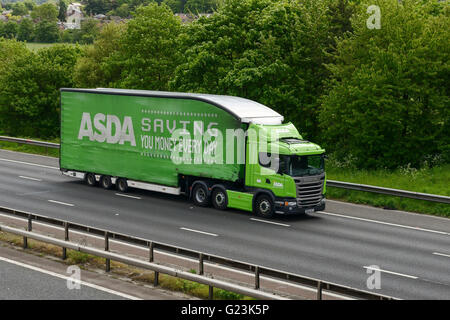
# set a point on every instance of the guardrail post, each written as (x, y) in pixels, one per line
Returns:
(256, 277)
(108, 261)
(29, 228)
(319, 290)
(200, 264)
(211, 293)
(156, 279)
(150, 248)
(66, 238)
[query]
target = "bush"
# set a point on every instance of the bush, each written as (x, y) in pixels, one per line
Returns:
(388, 98)
(29, 91)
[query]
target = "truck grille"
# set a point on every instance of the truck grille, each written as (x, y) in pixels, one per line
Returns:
(309, 190)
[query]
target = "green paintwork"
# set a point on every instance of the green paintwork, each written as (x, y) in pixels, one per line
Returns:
(138, 162)
(240, 200)
(154, 118)
(261, 177)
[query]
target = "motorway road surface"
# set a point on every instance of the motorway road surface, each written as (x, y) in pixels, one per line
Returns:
(339, 245)
(24, 282)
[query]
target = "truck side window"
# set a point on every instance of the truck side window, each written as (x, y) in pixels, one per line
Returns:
(264, 159)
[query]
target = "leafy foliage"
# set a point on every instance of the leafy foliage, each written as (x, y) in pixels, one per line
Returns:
(29, 99)
(265, 50)
(388, 98)
(93, 69)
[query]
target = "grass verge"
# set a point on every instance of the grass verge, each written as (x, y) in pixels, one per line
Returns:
(119, 270)
(434, 180)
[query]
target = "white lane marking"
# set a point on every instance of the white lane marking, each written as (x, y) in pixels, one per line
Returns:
(30, 178)
(271, 222)
(30, 164)
(63, 203)
(57, 275)
(198, 231)
(385, 223)
(441, 254)
(128, 196)
(391, 272)
(188, 259)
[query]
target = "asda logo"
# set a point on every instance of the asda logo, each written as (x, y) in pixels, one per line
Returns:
(107, 128)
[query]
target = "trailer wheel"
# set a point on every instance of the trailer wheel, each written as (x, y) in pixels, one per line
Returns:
(219, 199)
(105, 182)
(90, 179)
(200, 195)
(264, 206)
(122, 185)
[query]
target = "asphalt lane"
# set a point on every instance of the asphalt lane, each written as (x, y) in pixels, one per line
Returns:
(333, 246)
(19, 282)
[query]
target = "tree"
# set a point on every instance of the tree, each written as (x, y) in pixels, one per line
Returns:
(122, 11)
(9, 30)
(26, 30)
(265, 50)
(93, 69)
(93, 7)
(177, 6)
(30, 4)
(148, 51)
(200, 6)
(62, 11)
(388, 97)
(88, 31)
(19, 9)
(47, 32)
(45, 12)
(29, 91)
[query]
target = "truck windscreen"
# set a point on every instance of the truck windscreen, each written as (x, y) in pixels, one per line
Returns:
(296, 166)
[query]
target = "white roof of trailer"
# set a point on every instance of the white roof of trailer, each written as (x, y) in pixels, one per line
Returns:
(247, 111)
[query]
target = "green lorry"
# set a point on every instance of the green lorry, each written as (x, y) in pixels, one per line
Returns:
(224, 151)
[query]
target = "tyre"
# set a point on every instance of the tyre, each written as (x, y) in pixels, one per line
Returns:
(90, 179)
(105, 182)
(264, 206)
(200, 195)
(122, 185)
(219, 199)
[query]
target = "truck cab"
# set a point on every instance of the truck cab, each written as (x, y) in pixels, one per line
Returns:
(284, 172)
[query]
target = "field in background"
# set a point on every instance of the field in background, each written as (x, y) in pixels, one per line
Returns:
(36, 46)
(434, 180)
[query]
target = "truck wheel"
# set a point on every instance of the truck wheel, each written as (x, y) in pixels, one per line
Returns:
(219, 199)
(200, 195)
(122, 185)
(105, 182)
(90, 179)
(264, 206)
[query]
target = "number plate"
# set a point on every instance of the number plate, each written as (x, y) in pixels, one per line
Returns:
(309, 210)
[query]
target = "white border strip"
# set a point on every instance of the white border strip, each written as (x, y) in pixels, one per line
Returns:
(391, 272)
(441, 254)
(385, 223)
(128, 196)
(63, 203)
(202, 232)
(30, 178)
(271, 222)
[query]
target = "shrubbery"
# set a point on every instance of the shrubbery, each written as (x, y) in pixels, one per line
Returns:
(372, 97)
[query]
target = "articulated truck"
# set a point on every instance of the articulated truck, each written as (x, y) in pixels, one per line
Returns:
(223, 151)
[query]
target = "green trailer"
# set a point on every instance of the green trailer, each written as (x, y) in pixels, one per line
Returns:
(224, 151)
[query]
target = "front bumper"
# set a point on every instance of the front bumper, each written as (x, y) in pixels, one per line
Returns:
(289, 206)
